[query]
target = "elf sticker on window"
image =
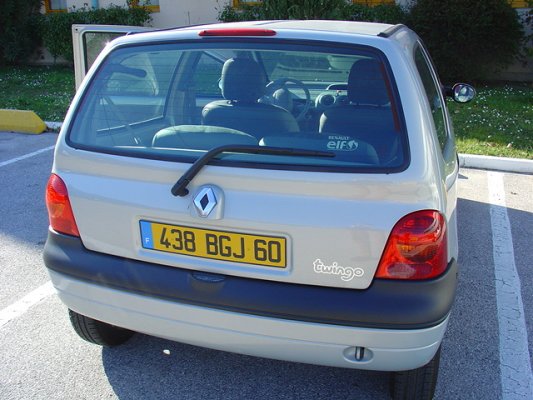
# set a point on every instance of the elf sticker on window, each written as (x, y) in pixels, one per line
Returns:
(342, 143)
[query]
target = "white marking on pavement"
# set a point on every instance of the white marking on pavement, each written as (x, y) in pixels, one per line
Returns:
(14, 160)
(515, 365)
(18, 308)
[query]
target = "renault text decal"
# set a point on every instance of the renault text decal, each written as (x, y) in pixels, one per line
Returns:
(342, 143)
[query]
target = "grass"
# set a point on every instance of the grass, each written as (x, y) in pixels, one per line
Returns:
(45, 90)
(498, 122)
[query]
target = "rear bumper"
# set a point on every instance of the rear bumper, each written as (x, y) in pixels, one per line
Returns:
(282, 339)
(384, 305)
(121, 292)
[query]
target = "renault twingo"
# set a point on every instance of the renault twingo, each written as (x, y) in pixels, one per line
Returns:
(283, 189)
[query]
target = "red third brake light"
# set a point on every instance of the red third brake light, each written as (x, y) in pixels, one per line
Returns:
(417, 248)
(59, 209)
(237, 32)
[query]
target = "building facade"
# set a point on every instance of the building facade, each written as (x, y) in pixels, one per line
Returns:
(165, 13)
(173, 13)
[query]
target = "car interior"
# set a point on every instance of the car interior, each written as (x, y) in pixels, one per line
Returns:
(177, 101)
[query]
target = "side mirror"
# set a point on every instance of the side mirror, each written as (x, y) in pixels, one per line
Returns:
(461, 92)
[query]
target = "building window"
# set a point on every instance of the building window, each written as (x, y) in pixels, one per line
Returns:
(151, 5)
(372, 3)
(52, 6)
(238, 3)
(519, 3)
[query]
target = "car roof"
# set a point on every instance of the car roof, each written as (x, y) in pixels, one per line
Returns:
(341, 31)
(361, 28)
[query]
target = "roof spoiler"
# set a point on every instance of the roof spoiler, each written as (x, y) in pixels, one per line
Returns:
(391, 31)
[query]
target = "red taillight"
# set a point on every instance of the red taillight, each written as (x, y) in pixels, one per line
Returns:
(237, 32)
(59, 209)
(417, 248)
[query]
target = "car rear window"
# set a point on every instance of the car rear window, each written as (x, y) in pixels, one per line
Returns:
(176, 101)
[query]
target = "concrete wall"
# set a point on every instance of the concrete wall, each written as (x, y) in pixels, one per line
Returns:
(187, 12)
(519, 71)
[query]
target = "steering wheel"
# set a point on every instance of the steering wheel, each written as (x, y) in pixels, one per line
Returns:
(281, 83)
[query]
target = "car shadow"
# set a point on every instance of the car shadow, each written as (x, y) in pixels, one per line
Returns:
(148, 367)
(470, 366)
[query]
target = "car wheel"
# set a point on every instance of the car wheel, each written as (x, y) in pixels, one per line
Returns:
(416, 384)
(98, 332)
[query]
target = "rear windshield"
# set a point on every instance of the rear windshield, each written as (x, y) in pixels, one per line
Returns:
(176, 101)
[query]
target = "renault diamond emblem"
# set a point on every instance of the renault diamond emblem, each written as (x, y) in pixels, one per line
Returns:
(205, 201)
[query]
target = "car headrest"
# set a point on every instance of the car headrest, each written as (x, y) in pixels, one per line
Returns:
(366, 84)
(242, 80)
(200, 137)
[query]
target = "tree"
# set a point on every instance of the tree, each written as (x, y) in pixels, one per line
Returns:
(468, 38)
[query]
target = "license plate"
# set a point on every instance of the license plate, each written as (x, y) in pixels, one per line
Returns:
(267, 251)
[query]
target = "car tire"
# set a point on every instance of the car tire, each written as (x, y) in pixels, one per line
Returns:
(98, 332)
(416, 384)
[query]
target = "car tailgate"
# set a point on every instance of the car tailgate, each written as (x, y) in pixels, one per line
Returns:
(333, 226)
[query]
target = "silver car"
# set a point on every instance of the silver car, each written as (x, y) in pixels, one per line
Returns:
(281, 189)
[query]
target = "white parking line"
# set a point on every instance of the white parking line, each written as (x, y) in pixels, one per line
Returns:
(14, 160)
(515, 366)
(18, 308)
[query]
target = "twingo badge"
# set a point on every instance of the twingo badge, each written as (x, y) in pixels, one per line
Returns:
(346, 273)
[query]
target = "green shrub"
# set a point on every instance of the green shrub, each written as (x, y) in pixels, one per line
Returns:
(57, 33)
(57, 27)
(18, 29)
(244, 13)
(358, 12)
(386, 13)
(468, 39)
(304, 9)
(313, 9)
(389, 14)
(285, 9)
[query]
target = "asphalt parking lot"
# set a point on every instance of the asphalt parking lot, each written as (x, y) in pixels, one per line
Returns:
(486, 353)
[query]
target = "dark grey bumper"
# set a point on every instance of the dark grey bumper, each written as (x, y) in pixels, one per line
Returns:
(385, 304)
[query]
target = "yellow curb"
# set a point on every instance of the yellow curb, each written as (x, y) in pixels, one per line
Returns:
(21, 121)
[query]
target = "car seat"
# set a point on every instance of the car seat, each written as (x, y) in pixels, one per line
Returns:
(367, 113)
(243, 83)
